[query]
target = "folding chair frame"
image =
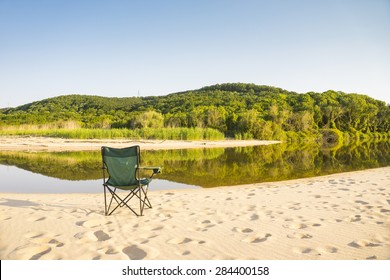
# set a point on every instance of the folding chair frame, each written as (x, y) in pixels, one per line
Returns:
(140, 191)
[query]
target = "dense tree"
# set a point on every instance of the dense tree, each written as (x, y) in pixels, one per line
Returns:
(238, 110)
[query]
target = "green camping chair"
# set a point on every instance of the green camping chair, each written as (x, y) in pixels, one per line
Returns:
(123, 169)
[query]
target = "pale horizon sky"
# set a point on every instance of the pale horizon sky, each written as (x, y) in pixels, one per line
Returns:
(118, 48)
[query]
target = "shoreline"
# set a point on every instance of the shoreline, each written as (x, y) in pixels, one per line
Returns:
(332, 217)
(29, 143)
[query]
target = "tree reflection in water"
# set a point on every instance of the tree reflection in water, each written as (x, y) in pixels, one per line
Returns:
(217, 166)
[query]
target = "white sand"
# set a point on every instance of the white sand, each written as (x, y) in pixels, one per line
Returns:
(341, 216)
(8, 143)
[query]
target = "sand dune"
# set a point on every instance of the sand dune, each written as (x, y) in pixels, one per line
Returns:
(341, 216)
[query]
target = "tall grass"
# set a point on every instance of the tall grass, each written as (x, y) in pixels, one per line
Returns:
(118, 133)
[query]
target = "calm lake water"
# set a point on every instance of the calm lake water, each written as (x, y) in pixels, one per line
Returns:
(68, 172)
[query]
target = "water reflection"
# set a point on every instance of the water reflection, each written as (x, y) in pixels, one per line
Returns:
(44, 171)
(18, 180)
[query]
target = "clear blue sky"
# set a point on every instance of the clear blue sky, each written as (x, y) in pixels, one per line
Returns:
(119, 48)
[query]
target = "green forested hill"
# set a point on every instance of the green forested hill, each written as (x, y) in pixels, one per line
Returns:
(238, 110)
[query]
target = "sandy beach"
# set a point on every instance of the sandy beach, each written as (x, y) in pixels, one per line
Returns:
(28, 143)
(334, 217)
(342, 216)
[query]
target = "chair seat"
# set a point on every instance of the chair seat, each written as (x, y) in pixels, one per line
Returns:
(143, 182)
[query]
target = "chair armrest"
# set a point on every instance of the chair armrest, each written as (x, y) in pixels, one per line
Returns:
(155, 169)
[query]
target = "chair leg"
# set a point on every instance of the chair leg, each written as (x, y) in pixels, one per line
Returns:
(143, 197)
(146, 199)
(120, 202)
(140, 193)
(112, 192)
(141, 206)
(105, 201)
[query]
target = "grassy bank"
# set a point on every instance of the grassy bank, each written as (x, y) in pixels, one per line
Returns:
(118, 133)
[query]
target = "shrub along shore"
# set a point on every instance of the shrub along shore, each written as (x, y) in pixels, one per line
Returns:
(179, 133)
(325, 137)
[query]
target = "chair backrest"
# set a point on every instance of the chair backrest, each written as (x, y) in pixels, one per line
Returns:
(121, 165)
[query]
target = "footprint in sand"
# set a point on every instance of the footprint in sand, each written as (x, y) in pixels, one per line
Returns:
(353, 218)
(316, 225)
(302, 250)
(184, 241)
(111, 251)
(298, 235)
(35, 219)
(258, 238)
(242, 230)
(186, 253)
(5, 218)
(295, 226)
(85, 237)
(363, 243)
(327, 249)
(93, 223)
(134, 252)
(157, 228)
(254, 217)
(29, 252)
(40, 238)
(34, 234)
(180, 240)
(361, 202)
(206, 224)
(56, 243)
(101, 235)
(196, 229)
(47, 240)
(164, 216)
